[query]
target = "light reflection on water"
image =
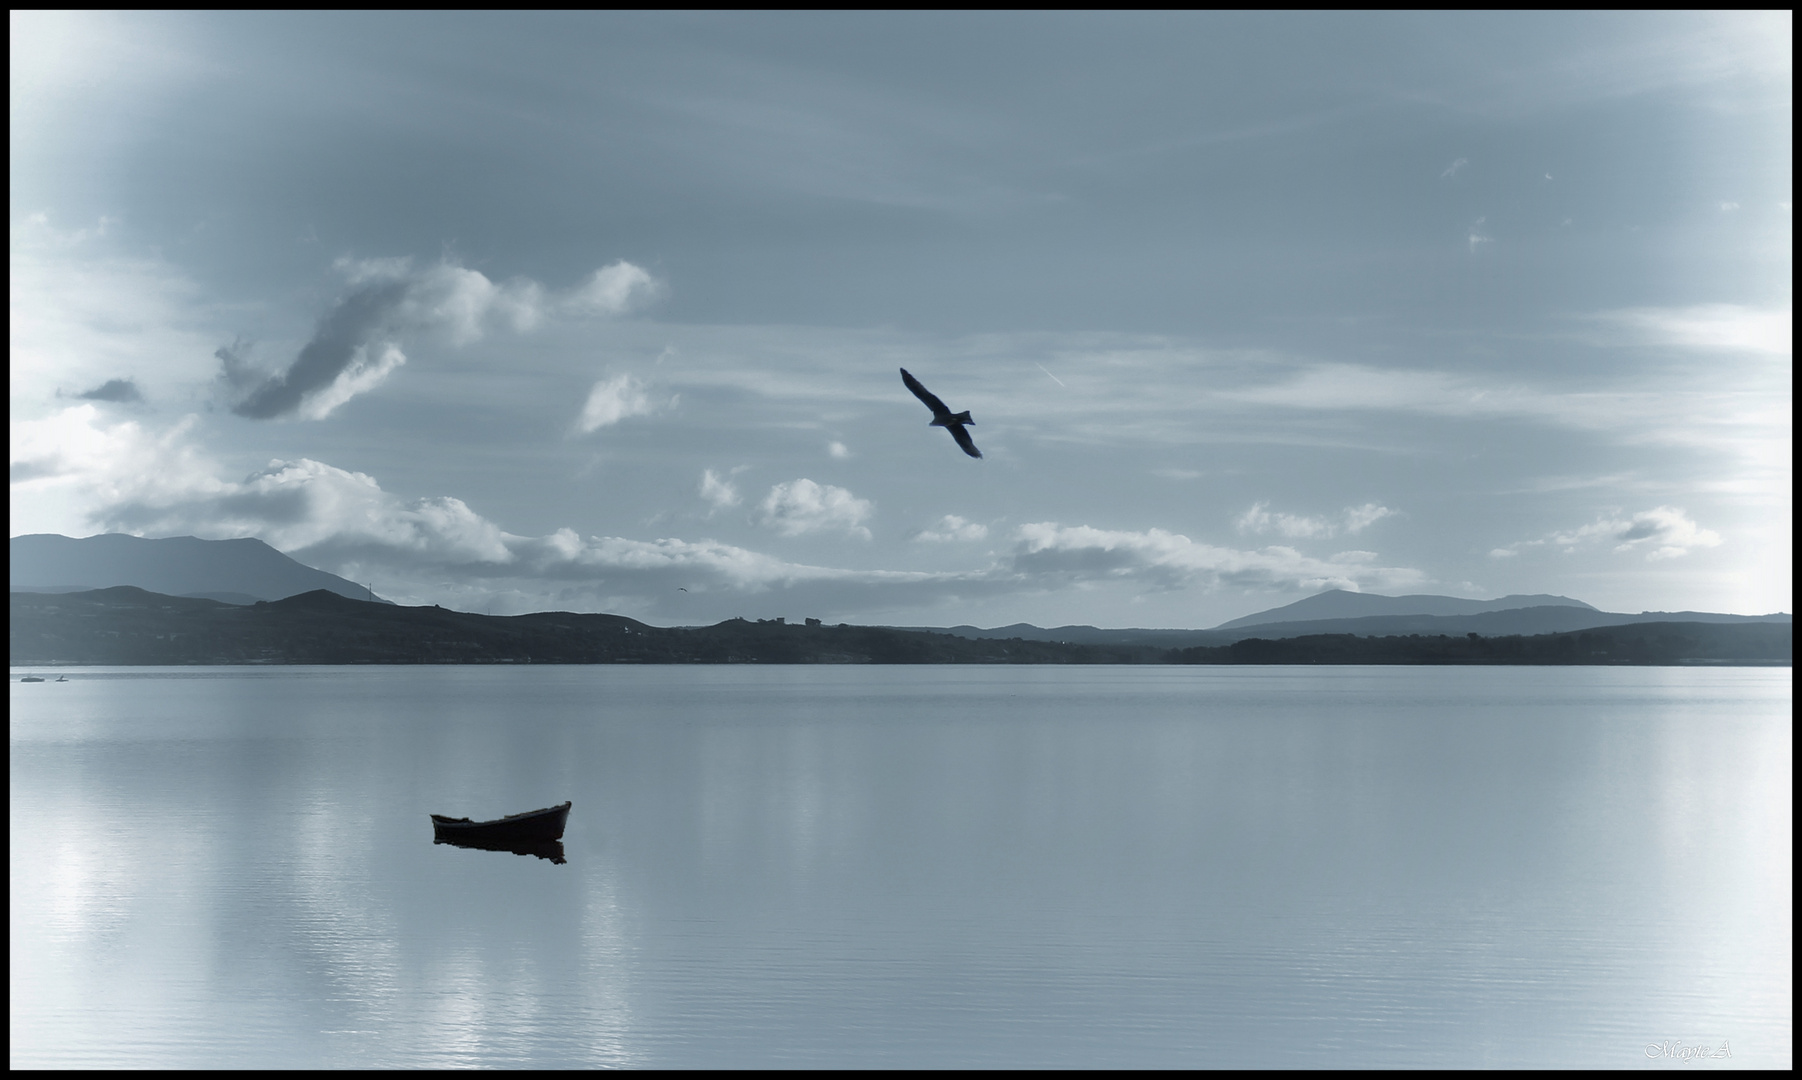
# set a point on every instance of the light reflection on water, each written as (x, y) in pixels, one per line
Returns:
(894, 866)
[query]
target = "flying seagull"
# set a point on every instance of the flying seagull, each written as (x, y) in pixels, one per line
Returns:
(942, 416)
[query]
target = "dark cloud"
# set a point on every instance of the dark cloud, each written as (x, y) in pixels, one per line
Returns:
(236, 370)
(341, 336)
(122, 390)
(22, 471)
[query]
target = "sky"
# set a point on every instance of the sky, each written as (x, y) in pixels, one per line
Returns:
(604, 312)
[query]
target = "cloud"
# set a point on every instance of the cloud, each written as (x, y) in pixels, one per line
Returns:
(1664, 532)
(365, 372)
(802, 506)
(74, 459)
(612, 400)
(337, 358)
(357, 344)
(1742, 412)
(334, 514)
(1477, 235)
(1167, 560)
(951, 528)
(1454, 168)
(613, 290)
(721, 493)
(117, 390)
(1359, 518)
(1353, 520)
(1728, 207)
(1703, 326)
(1259, 520)
(838, 450)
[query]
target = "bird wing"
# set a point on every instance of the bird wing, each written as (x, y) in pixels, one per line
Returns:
(962, 435)
(925, 395)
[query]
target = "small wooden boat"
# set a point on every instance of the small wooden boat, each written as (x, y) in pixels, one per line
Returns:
(31, 678)
(531, 827)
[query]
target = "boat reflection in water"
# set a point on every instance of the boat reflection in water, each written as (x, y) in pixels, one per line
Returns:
(549, 849)
(535, 832)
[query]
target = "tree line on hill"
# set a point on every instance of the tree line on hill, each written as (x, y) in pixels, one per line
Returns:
(125, 625)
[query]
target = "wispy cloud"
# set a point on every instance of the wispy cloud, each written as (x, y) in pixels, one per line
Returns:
(1477, 235)
(1359, 518)
(952, 528)
(1454, 168)
(1353, 520)
(1665, 532)
(1047, 550)
(1740, 412)
(1703, 326)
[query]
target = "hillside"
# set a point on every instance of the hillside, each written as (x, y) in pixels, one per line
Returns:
(1341, 604)
(1547, 619)
(130, 626)
(232, 571)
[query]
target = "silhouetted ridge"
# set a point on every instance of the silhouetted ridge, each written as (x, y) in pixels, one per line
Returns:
(126, 625)
(318, 599)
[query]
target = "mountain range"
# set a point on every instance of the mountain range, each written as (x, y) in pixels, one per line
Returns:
(1340, 604)
(246, 571)
(230, 571)
(1370, 614)
(126, 625)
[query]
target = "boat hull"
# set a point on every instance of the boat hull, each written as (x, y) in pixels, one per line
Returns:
(532, 827)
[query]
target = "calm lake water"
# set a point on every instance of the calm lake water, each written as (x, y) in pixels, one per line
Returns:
(905, 866)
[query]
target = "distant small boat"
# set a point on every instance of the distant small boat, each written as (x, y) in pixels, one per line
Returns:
(62, 678)
(31, 678)
(531, 827)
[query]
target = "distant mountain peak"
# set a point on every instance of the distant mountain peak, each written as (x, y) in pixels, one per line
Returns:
(243, 570)
(1342, 604)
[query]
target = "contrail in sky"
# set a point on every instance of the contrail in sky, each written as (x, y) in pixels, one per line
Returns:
(1054, 378)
